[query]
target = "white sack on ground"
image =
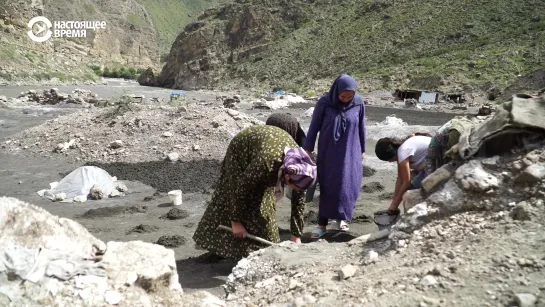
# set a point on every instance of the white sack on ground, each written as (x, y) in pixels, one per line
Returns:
(80, 182)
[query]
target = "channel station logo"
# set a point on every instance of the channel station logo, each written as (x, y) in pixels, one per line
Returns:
(41, 29)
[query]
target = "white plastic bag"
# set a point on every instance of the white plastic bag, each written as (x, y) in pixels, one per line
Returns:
(81, 180)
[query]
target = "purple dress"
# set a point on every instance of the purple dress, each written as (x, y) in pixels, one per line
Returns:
(340, 148)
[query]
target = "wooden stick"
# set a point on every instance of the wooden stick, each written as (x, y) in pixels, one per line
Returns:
(249, 236)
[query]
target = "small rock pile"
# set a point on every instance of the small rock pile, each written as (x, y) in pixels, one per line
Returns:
(146, 134)
(4, 103)
(231, 103)
(52, 261)
(53, 97)
(472, 237)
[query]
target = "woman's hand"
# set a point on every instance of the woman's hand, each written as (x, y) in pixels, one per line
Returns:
(363, 156)
(296, 240)
(239, 231)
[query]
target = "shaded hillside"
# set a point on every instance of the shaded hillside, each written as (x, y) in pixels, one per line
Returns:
(430, 44)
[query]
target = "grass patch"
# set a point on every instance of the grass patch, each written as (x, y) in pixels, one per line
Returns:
(130, 73)
(136, 20)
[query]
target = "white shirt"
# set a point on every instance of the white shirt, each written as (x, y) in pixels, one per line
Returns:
(416, 149)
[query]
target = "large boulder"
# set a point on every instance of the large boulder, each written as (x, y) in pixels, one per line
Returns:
(51, 261)
(147, 78)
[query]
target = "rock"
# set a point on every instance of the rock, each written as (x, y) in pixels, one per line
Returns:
(451, 197)
(372, 256)
(474, 178)
(347, 271)
(173, 156)
(116, 144)
(437, 178)
(115, 193)
(202, 299)
(521, 212)
(532, 174)
(411, 198)
(147, 78)
(136, 256)
(431, 301)
(120, 186)
(525, 300)
(60, 197)
(112, 297)
(196, 147)
(96, 193)
(428, 281)
(25, 225)
(304, 300)
(167, 134)
(80, 199)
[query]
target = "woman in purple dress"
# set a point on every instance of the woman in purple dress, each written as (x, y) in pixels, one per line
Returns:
(339, 117)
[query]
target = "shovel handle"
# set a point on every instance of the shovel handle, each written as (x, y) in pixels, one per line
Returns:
(249, 236)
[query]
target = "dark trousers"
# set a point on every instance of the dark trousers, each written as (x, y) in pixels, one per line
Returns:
(322, 221)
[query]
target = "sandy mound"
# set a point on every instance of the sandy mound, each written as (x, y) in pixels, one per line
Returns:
(147, 134)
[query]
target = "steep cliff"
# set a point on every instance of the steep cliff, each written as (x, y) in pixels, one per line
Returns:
(385, 43)
(225, 35)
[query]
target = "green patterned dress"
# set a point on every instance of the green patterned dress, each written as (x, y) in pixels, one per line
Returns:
(245, 193)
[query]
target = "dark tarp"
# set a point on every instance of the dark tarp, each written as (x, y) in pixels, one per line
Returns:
(518, 123)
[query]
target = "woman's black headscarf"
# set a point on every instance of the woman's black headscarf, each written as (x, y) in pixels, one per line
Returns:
(289, 124)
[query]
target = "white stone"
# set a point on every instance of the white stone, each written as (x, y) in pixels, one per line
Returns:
(80, 199)
(372, 256)
(347, 271)
(473, 177)
(112, 297)
(168, 134)
(136, 256)
(173, 156)
(428, 281)
(525, 299)
(60, 197)
(450, 197)
(115, 193)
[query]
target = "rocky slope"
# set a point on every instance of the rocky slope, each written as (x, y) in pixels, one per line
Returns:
(134, 34)
(446, 46)
(473, 237)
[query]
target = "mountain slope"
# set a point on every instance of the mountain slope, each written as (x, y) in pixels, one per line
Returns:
(446, 45)
(136, 33)
(171, 16)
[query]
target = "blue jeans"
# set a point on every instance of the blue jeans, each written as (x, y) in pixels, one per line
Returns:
(416, 183)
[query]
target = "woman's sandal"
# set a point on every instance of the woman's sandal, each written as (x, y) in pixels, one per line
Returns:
(343, 226)
(317, 233)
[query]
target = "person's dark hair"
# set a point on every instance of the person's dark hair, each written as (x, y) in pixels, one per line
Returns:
(386, 148)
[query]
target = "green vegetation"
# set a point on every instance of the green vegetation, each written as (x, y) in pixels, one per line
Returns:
(171, 16)
(122, 72)
(468, 43)
(136, 20)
